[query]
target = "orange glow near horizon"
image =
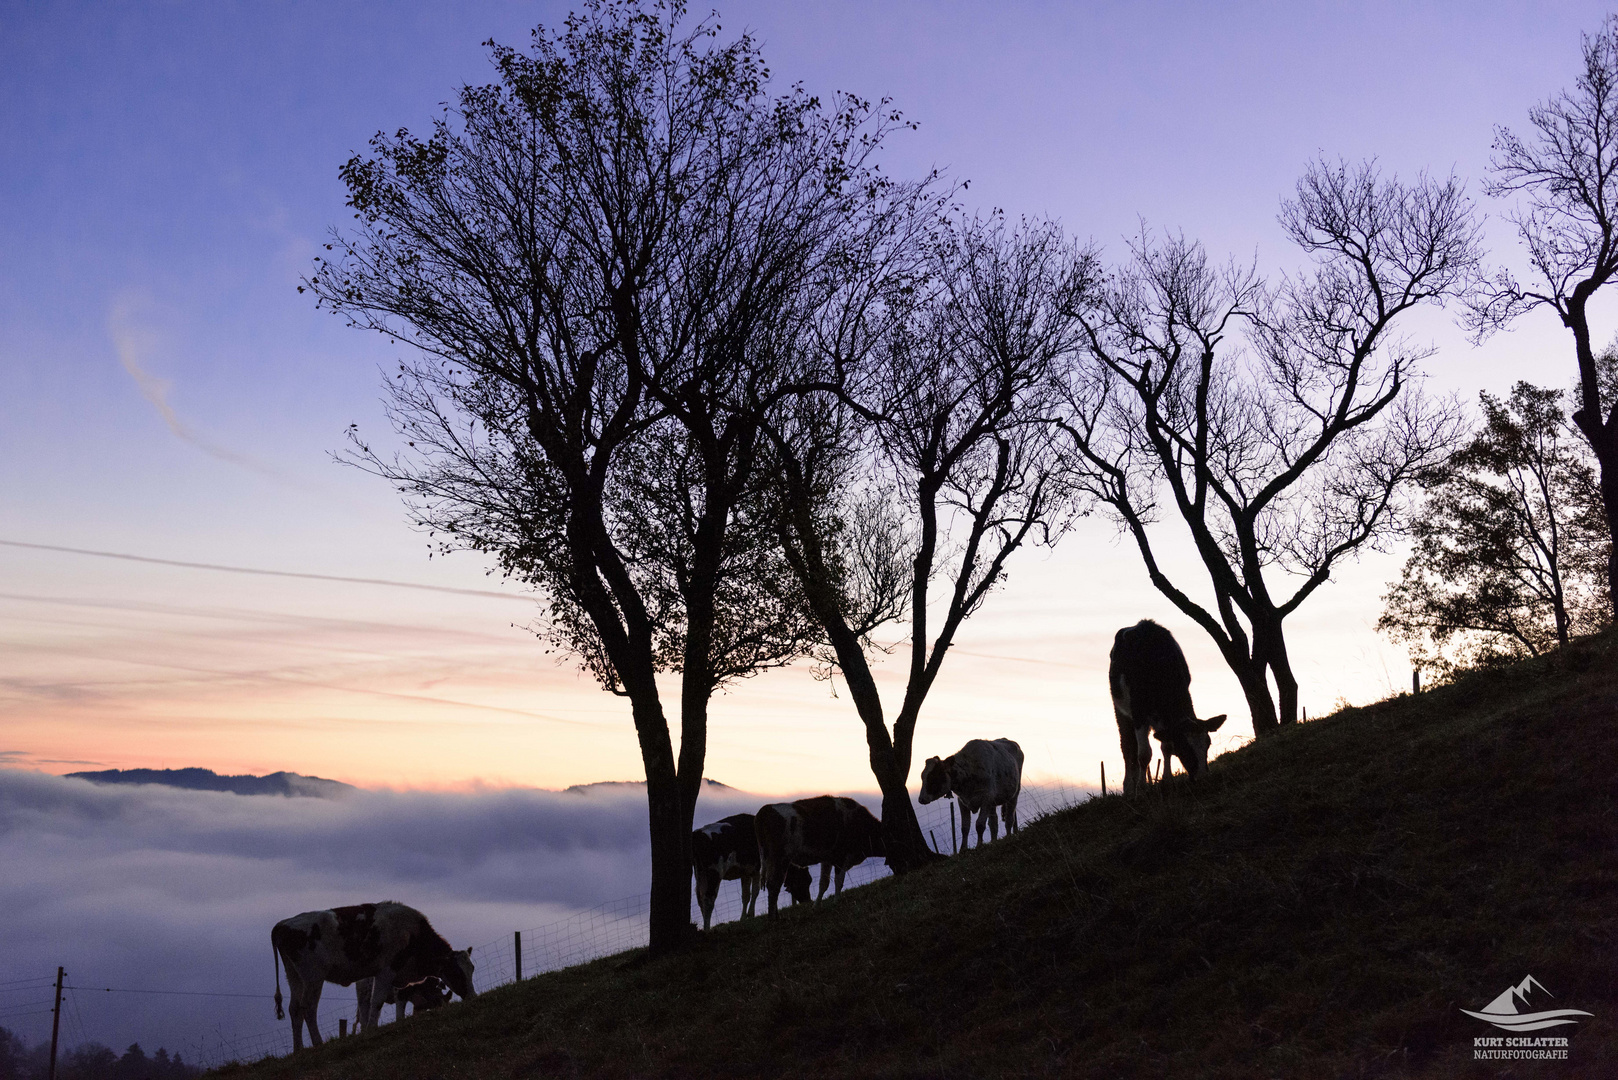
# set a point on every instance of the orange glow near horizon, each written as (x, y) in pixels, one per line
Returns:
(188, 668)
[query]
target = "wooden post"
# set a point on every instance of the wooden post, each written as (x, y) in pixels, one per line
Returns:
(342, 1027)
(935, 842)
(518, 937)
(1415, 680)
(56, 1021)
(1103, 778)
(954, 844)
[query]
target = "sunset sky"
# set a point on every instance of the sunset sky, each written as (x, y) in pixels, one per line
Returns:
(168, 171)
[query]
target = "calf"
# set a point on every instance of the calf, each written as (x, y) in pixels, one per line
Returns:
(422, 996)
(981, 775)
(1151, 694)
(393, 944)
(835, 832)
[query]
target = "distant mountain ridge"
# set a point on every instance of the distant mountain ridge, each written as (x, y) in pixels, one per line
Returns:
(287, 784)
(620, 785)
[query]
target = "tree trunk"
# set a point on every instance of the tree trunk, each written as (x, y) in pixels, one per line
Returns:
(1270, 650)
(669, 821)
(1259, 702)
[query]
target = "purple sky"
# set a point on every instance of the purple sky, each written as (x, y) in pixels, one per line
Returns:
(167, 172)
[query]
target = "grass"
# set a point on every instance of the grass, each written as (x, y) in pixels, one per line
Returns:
(1321, 904)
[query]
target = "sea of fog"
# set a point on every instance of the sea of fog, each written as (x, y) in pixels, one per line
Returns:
(158, 901)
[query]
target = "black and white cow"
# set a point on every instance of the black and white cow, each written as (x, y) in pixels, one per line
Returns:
(393, 944)
(835, 832)
(727, 850)
(1151, 694)
(424, 995)
(981, 775)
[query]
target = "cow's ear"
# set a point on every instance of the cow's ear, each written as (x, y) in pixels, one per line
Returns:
(1213, 722)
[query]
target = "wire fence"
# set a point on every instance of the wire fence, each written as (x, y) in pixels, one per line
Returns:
(603, 930)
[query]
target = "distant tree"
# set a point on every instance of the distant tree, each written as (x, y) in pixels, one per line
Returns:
(1281, 425)
(921, 456)
(1511, 545)
(13, 1055)
(1567, 173)
(581, 257)
(92, 1061)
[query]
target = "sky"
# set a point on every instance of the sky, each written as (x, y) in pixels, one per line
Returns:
(169, 170)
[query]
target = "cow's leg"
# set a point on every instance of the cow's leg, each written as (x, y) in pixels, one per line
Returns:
(749, 893)
(841, 870)
(295, 1011)
(379, 992)
(775, 874)
(966, 825)
(994, 823)
(825, 879)
(1129, 741)
(707, 893)
(398, 1010)
(1009, 813)
(1143, 755)
(985, 817)
(311, 1010)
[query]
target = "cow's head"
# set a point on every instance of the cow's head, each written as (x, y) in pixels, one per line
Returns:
(935, 780)
(1189, 741)
(798, 884)
(456, 971)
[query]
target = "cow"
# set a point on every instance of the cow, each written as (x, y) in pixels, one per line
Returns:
(981, 775)
(1151, 694)
(830, 830)
(393, 944)
(424, 995)
(727, 850)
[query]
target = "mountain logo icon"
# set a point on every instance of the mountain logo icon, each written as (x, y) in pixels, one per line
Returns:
(1518, 1009)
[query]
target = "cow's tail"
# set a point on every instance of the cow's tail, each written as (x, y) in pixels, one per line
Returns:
(280, 1014)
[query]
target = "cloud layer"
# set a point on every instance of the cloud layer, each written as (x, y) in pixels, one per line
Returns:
(153, 888)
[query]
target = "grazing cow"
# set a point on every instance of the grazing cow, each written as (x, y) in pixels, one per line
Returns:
(388, 942)
(830, 830)
(424, 995)
(981, 775)
(1151, 693)
(725, 851)
(728, 850)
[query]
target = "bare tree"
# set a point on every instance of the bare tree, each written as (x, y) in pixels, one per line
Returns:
(1279, 424)
(1510, 552)
(1568, 174)
(922, 454)
(581, 257)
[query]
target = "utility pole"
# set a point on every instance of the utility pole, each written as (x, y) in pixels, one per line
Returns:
(56, 1021)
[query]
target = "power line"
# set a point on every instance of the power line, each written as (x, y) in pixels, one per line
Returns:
(173, 993)
(221, 568)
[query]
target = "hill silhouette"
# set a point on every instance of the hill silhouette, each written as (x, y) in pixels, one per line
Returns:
(289, 784)
(1322, 904)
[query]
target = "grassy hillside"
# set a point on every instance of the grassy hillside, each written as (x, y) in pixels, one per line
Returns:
(1322, 904)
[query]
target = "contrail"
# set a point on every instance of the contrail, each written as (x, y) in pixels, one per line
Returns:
(267, 573)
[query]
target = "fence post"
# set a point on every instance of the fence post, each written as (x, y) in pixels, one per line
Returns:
(1103, 779)
(518, 936)
(342, 1027)
(56, 1021)
(1415, 680)
(954, 845)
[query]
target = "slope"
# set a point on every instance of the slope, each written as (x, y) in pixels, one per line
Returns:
(1322, 904)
